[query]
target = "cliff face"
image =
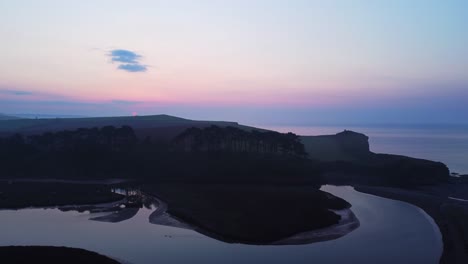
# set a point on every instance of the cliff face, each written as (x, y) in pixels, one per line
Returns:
(347, 159)
(353, 143)
(344, 146)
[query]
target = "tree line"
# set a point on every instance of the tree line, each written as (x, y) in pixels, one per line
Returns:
(210, 154)
(232, 139)
(107, 138)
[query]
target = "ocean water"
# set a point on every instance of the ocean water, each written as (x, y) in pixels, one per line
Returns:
(444, 143)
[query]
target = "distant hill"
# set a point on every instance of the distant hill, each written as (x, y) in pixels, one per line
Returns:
(159, 127)
(7, 117)
(34, 116)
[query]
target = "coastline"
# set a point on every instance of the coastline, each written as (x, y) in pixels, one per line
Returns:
(442, 210)
(348, 157)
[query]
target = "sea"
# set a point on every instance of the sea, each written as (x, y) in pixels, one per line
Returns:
(444, 143)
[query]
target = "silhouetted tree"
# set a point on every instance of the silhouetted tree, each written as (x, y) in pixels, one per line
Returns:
(232, 139)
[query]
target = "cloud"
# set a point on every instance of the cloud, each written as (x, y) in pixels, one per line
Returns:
(132, 67)
(129, 60)
(125, 102)
(14, 92)
(125, 56)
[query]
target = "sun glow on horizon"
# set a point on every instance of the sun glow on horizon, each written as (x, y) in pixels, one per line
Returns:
(227, 54)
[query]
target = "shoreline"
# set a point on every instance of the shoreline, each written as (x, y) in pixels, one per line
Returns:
(21, 194)
(107, 181)
(52, 254)
(348, 223)
(441, 210)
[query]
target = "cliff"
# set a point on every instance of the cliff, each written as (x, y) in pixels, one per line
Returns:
(347, 159)
(344, 146)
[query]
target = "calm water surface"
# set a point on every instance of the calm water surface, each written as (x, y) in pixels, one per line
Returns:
(390, 232)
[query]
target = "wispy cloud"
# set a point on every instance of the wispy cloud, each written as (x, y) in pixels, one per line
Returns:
(132, 67)
(129, 60)
(125, 102)
(15, 92)
(125, 56)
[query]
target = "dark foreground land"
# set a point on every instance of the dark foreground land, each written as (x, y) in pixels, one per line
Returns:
(249, 214)
(51, 255)
(175, 151)
(347, 160)
(17, 195)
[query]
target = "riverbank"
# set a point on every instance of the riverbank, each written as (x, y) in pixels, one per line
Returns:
(450, 215)
(18, 195)
(249, 214)
(110, 181)
(51, 255)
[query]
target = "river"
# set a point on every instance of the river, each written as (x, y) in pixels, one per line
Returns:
(390, 232)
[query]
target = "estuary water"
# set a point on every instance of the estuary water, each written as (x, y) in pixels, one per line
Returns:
(390, 232)
(444, 143)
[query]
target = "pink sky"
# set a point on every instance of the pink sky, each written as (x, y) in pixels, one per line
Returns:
(170, 55)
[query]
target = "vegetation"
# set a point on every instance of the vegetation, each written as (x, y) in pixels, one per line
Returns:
(386, 170)
(213, 154)
(249, 214)
(232, 139)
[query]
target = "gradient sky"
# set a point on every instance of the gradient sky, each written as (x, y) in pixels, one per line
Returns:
(253, 61)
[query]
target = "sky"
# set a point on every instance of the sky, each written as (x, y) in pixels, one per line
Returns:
(294, 62)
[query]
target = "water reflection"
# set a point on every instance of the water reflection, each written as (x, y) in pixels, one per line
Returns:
(390, 232)
(257, 215)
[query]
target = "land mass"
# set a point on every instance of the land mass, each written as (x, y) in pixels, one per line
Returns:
(137, 147)
(171, 150)
(425, 184)
(17, 195)
(252, 214)
(51, 255)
